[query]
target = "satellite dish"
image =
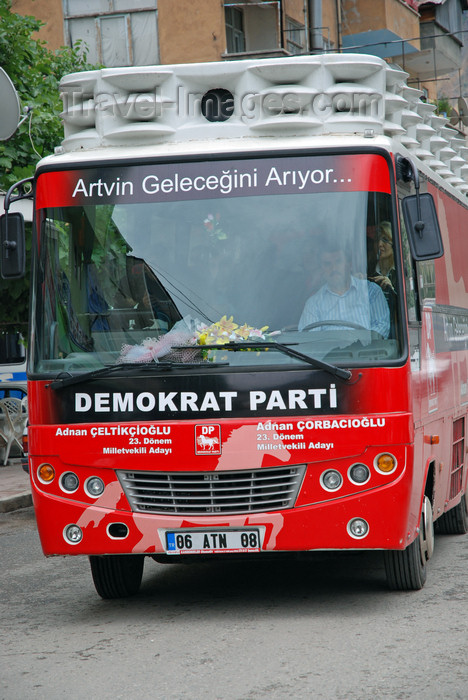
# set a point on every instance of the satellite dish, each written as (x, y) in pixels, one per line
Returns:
(463, 111)
(9, 107)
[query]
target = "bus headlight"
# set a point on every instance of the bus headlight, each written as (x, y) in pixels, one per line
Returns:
(94, 486)
(69, 482)
(359, 473)
(73, 534)
(358, 528)
(331, 480)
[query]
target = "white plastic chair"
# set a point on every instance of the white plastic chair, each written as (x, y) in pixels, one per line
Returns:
(3, 439)
(14, 423)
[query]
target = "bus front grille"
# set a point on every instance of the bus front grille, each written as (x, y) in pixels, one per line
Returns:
(212, 493)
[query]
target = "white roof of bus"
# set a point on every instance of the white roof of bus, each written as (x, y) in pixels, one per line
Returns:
(296, 102)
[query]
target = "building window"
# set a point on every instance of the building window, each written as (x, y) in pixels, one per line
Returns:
(295, 37)
(125, 37)
(235, 35)
(114, 40)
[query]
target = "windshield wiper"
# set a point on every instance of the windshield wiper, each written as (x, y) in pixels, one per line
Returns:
(286, 350)
(66, 379)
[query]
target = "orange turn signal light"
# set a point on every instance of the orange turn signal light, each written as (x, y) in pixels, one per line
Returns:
(431, 439)
(385, 463)
(46, 473)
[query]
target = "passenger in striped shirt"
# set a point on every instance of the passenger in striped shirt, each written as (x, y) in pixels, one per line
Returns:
(344, 297)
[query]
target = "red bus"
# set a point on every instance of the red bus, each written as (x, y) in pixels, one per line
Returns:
(249, 324)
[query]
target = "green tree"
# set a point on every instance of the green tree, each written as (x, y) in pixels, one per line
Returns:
(35, 71)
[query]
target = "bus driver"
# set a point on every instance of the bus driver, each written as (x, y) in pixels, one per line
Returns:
(345, 297)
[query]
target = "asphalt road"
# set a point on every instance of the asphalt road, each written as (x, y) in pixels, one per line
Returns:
(326, 628)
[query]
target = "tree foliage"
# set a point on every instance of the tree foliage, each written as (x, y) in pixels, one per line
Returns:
(35, 71)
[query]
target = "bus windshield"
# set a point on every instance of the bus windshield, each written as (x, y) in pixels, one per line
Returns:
(159, 263)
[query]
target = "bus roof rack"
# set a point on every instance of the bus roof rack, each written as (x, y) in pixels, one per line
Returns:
(302, 95)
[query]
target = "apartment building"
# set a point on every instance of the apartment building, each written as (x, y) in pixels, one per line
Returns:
(423, 37)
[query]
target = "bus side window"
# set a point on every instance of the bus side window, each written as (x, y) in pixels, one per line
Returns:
(410, 276)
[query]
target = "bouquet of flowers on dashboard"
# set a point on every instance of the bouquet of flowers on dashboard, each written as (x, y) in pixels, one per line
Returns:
(226, 331)
(186, 340)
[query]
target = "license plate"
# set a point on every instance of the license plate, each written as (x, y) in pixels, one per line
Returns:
(212, 541)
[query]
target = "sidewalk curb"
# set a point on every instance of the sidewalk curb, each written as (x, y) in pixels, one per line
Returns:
(20, 500)
(15, 489)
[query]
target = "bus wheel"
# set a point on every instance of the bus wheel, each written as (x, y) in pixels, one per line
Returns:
(455, 520)
(117, 575)
(406, 569)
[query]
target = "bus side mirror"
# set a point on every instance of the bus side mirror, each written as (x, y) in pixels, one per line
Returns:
(13, 246)
(422, 226)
